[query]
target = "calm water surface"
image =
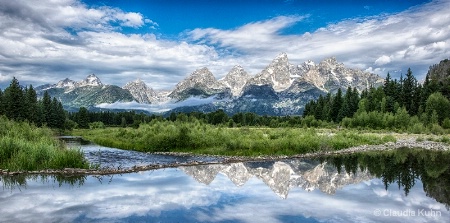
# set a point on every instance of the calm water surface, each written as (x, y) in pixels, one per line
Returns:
(400, 186)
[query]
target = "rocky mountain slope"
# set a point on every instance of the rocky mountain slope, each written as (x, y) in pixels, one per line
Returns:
(280, 88)
(201, 83)
(88, 92)
(141, 92)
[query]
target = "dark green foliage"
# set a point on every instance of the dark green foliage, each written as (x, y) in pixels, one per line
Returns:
(410, 94)
(14, 101)
(26, 147)
(46, 107)
(31, 103)
(83, 118)
(336, 106)
(439, 104)
(402, 167)
(399, 104)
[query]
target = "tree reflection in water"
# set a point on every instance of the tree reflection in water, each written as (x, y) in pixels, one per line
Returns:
(404, 167)
(20, 181)
(401, 166)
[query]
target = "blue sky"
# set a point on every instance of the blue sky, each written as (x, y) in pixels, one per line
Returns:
(162, 42)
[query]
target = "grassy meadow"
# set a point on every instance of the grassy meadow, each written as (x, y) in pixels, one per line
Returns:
(26, 147)
(201, 138)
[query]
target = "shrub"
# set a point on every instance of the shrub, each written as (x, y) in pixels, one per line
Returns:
(26, 147)
(437, 129)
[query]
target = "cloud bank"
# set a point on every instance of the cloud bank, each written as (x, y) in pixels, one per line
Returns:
(158, 107)
(46, 42)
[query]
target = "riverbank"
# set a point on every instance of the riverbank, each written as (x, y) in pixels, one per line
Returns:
(403, 142)
(199, 138)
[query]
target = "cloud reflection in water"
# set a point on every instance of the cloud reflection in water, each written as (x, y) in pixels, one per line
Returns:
(169, 195)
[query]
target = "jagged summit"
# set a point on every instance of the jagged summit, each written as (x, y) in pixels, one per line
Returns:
(140, 91)
(281, 88)
(200, 83)
(277, 74)
(91, 80)
(66, 83)
(235, 80)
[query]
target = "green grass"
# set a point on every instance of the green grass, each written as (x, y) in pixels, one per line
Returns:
(26, 147)
(196, 137)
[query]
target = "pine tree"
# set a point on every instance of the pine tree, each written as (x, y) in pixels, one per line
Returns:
(409, 93)
(14, 101)
(346, 109)
(53, 114)
(31, 105)
(46, 107)
(60, 116)
(354, 101)
(83, 118)
(336, 106)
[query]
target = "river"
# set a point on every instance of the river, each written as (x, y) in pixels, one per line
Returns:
(401, 186)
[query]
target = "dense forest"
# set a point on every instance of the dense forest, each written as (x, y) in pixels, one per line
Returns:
(21, 104)
(398, 104)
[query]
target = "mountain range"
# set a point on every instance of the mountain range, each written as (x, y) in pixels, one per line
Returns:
(279, 89)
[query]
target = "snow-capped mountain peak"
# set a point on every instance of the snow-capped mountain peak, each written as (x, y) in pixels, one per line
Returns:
(235, 80)
(277, 74)
(66, 83)
(140, 91)
(91, 80)
(200, 83)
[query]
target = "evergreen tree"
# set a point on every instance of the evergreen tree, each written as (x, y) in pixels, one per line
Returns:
(336, 106)
(409, 93)
(31, 105)
(326, 108)
(60, 116)
(83, 118)
(319, 108)
(349, 104)
(53, 114)
(14, 101)
(46, 108)
(40, 118)
(354, 100)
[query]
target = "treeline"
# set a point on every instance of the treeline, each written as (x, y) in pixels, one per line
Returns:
(21, 104)
(397, 104)
(87, 119)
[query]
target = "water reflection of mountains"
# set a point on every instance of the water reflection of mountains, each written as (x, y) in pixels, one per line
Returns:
(402, 167)
(281, 176)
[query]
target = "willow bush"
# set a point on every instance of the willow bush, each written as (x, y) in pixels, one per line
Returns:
(26, 147)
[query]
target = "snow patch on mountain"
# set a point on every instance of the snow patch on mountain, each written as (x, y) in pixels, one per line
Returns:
(235, 80)
(141, 92)
(277, 74)
(200, 83)
(91, 80)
